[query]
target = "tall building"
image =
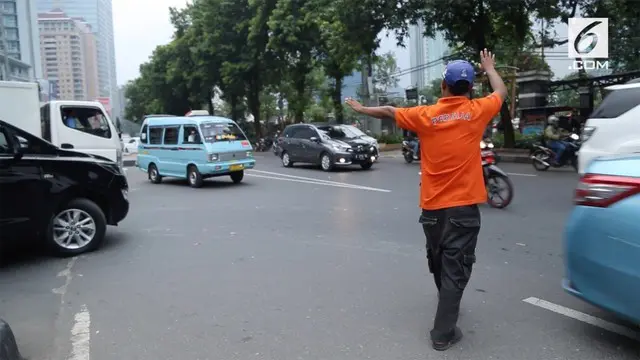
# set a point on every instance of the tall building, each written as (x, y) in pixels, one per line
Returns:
(99, 15)
(19, 50)
(69, 55)
(426, 56)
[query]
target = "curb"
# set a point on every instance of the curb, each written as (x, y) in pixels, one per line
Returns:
(8, 346)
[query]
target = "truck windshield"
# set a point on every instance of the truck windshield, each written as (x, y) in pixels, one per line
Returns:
(213, 132)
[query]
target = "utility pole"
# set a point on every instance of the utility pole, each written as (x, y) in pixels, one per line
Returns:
(5, 46)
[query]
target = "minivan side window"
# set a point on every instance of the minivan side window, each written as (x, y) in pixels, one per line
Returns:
(288, 132)
(143, 135)
(89, 120)
(617, 103)
(190, 135)
(305, 133)
(171, 135)
(155, 135)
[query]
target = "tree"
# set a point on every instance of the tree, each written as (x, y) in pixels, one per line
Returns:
(294, 34)
(337, 56)
(385, 69)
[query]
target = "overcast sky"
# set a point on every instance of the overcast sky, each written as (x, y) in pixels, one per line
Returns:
(141, 25)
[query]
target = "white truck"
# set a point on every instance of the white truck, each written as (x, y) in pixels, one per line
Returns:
(76, 125)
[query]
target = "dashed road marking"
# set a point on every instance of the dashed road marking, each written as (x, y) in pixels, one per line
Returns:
(586, 318)
(521, 174)
(81, 335)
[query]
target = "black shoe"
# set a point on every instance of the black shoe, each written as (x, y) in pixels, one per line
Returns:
(444, 345)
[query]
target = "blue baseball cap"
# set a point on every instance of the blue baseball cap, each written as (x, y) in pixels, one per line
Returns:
(458, 70)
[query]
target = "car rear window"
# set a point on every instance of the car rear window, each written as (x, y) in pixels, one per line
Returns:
(617, 103)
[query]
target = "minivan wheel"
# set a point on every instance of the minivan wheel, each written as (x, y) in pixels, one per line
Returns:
(237, 176)
(325, 162)
(286, 160)
(154, 175)
(76, 228)
(194, 177)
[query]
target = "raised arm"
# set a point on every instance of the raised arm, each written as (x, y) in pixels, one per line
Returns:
(378, 112)
(406, 118)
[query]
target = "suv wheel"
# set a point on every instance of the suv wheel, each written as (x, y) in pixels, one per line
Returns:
(76, 228)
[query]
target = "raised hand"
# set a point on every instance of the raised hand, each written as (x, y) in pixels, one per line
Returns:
(487, 60)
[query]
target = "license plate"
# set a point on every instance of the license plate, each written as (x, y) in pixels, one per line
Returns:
(360, 157)
(236, 167)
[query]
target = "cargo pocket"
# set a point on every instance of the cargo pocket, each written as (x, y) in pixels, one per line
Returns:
(466, 229)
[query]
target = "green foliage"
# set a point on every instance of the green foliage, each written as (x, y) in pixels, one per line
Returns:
(385, 69)
(521, 141)
(389, 138)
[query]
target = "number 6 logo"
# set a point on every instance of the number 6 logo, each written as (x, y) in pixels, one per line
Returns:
(583, 36)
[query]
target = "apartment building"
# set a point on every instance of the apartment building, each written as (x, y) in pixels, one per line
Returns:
(19, 50)
(68, 56)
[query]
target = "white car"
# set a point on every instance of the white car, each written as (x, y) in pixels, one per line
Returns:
(614, 126)
(131, 145)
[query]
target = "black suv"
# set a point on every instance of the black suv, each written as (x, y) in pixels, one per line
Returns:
(64, 197)
(328, 145)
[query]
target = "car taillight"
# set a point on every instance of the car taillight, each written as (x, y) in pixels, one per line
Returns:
(587, 132)
(604, 190)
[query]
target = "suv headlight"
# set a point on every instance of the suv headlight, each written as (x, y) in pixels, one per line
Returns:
(214, 157)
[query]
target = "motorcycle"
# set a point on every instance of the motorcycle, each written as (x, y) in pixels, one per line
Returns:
(542, 157)
(495, 180)
(263, 144)
(407, 152)
(487, 144)
(493, 176)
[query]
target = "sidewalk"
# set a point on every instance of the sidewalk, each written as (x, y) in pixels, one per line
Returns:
(506, 155)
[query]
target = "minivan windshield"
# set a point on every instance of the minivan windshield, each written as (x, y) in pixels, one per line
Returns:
(342, 131)
(213, 132)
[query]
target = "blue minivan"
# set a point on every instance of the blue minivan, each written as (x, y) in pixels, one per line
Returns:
(193, 148)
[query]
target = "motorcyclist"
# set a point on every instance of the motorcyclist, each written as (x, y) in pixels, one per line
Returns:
(553, 135)
(412, 139)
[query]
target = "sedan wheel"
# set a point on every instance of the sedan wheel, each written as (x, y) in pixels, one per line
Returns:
(77, 228)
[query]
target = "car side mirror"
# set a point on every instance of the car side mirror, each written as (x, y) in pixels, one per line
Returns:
(314, 139)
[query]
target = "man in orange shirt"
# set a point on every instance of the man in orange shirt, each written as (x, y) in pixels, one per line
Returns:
(452, 183)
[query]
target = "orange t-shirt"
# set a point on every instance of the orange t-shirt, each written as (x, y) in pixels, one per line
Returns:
(450, 133)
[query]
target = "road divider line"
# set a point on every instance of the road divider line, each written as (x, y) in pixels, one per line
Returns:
(81, 335)
(586, 318)
(311, 179)
(345, 186)
(521, 174)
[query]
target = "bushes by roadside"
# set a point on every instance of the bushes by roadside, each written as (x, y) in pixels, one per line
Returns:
(521, 141)
(389, 138)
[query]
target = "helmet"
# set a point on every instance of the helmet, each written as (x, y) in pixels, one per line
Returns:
(552, 120)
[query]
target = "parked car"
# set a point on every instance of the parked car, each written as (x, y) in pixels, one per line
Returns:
(335, 146)
(63, 197)
(613, 127)
(131, 145)
(602, 246)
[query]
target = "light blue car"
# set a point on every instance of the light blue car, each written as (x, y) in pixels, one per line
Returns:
(602, 238)
(193, 148)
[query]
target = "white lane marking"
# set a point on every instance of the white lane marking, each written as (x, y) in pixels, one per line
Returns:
(586, 318)
(329, 182)
(345, 186)
(520, 174)
(81, 336)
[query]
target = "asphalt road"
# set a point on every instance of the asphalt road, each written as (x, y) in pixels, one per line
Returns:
(302, 264)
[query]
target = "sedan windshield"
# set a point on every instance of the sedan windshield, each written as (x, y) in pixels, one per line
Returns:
(342, 131)
(213, 132)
